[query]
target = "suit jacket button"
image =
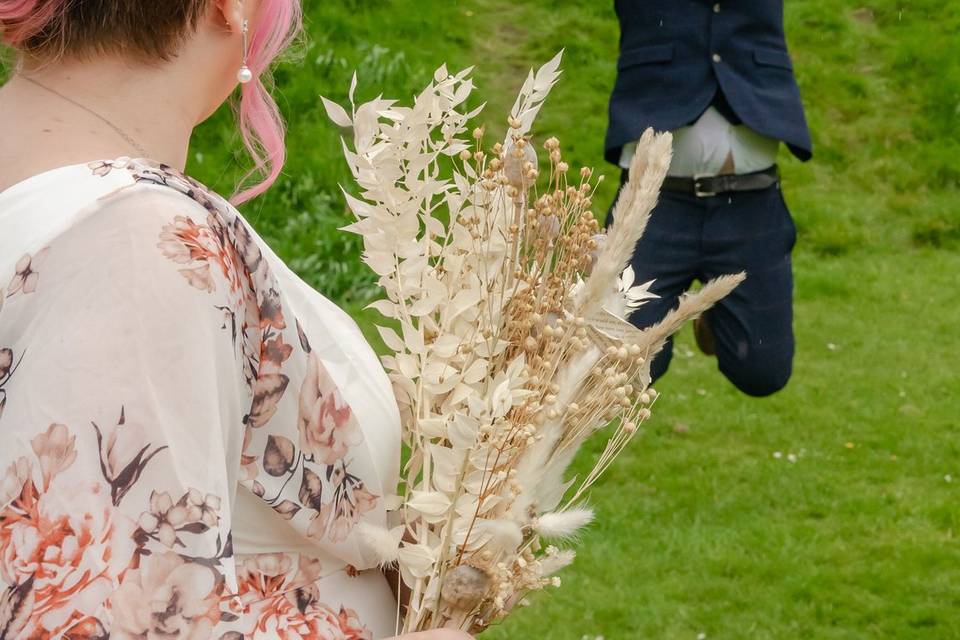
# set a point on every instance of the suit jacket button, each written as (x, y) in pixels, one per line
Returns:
(717, 58)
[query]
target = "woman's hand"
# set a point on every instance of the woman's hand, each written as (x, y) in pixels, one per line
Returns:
(439, 634)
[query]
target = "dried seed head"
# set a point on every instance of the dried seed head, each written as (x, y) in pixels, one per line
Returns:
(464, 587)
(519, 155)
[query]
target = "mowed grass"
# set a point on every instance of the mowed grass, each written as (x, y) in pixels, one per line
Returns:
(700, 528)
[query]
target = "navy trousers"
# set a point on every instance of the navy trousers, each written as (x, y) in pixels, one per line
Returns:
(690, 238)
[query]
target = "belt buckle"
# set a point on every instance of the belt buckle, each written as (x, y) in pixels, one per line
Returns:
(697, 190)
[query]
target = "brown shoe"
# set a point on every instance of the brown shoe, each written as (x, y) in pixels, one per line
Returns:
(704, 336)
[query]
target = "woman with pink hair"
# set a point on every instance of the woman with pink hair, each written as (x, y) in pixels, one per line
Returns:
(196, 444)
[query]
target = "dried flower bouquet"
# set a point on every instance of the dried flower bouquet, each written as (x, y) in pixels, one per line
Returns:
(511, 347)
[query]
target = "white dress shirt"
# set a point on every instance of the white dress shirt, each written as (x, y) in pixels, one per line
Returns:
(702, 148)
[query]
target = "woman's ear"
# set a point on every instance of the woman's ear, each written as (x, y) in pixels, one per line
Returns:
(230, 13)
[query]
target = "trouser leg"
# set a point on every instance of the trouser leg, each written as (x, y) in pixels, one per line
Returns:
(753, 232)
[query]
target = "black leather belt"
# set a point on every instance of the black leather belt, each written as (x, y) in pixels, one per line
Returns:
(705, 186)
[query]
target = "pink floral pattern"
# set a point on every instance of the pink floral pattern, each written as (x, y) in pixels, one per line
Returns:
(326, 426)
(61, 563)
(97, 542)
(280, 609)
(67, 567)
(184, 600)
(326, 430)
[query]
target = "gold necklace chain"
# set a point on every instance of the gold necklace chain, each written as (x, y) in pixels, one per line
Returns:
(120, 132)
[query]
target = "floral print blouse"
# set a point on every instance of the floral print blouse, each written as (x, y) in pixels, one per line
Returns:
(190, 436)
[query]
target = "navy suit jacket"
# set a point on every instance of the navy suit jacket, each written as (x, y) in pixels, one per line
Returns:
(676, 54)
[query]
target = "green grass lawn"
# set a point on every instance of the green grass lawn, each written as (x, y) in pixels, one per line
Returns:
(701, 528)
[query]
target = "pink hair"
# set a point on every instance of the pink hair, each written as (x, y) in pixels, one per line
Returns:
(261, 125)
(24, 18)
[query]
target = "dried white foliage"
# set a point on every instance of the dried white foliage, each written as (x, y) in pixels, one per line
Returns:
(506, 307)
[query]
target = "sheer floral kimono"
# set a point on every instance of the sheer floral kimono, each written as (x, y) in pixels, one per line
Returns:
(190, 435)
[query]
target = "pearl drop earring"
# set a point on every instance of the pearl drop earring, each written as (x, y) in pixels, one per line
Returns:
(245, 75)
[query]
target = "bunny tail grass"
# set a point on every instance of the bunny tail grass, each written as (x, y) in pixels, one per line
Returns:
(382, 544)
(561, 525)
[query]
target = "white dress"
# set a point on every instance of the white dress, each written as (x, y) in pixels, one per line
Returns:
(189, 434)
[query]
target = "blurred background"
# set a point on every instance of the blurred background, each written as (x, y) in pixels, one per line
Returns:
(829, 510)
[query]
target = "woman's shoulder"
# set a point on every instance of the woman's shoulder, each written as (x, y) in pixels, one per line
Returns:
(131, 192)
(130, 197)
(130, 224)
(156, 189)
